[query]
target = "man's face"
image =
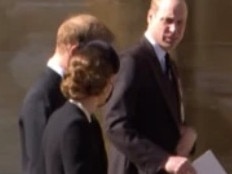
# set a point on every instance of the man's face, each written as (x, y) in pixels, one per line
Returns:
(167, 24)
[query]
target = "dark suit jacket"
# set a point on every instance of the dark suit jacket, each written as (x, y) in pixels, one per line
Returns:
(71, 144)
(42, 99)
(143, 115)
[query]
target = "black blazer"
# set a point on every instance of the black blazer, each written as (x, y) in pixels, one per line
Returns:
(41, 100)
(71, 144)
(143, 115)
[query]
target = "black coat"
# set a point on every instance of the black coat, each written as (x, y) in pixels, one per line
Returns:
(143, 115)
(71, 144)
(41, 100)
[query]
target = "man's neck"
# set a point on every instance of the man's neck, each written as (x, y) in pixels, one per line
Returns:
(55, 63)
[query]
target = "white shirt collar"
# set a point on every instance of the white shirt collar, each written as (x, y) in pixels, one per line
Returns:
(55, 67)
(81, 107)
(158, 50)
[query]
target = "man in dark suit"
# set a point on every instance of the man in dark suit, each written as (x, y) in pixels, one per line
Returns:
(144, 117)
(44, 96)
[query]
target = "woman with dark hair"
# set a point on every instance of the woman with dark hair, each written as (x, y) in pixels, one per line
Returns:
(72, 142)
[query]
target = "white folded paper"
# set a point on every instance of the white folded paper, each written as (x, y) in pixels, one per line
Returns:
(207, 163)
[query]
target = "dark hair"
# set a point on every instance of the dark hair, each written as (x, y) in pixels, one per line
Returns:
(89, 70)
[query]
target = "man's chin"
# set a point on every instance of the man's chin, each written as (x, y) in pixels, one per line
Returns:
(169, 46)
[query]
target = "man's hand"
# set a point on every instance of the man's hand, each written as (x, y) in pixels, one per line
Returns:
(178, 165)
(187, 141)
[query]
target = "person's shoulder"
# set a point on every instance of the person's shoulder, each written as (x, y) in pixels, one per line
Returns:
(47, 78)
(135, 51)
(68, 119)
(42, 85)
(62, 117)
(131, 50)
(69, 113)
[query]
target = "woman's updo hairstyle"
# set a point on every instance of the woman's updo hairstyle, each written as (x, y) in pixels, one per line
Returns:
(89, 70)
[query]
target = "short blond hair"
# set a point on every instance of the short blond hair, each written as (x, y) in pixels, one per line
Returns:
(81, 29)
(154, 5)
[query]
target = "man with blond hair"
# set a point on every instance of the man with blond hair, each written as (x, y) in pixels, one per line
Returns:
(144, 117)
(45, 96)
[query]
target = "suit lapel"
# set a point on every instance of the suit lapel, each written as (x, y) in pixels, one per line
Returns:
(178, 86)
(161, 79)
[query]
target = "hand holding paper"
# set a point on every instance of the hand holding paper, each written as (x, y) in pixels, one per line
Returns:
(179, 165)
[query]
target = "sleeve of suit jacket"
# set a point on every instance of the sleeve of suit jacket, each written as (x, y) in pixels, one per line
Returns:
(32, 129)
(146, 155)
(73, 149)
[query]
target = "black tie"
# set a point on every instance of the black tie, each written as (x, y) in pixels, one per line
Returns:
(167, 66)
(174, 94)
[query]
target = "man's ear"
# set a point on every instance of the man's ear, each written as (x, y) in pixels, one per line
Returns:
(149, 16)
(73, 48)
